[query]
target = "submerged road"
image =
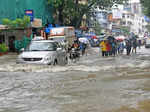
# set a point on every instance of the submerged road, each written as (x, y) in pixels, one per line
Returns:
(94, 84)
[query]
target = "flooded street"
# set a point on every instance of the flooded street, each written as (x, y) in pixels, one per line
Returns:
(94, 84)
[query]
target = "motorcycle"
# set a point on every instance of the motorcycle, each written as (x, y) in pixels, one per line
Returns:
(74, 54)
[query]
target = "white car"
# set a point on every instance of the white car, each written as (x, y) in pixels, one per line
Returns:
(43, 52)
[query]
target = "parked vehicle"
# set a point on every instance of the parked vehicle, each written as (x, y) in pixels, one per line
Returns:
(74, 54)
(43, 52)
(65, 35)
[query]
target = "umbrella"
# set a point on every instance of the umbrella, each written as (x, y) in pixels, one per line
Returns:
(120, 38)
(83, 40)
(94, 37)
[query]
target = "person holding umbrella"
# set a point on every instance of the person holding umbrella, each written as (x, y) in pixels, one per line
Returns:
(103, 47)
(83, 45)
(134, 45)
(128, 46)
(108, 47)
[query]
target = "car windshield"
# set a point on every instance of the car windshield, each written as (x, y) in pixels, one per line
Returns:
(42, 46)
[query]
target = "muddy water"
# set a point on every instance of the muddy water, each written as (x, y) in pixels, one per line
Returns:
(94, 84)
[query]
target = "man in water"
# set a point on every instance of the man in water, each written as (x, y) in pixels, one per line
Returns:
(128, 47)
(134, 45)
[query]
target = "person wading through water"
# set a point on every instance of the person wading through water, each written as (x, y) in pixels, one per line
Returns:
(103, 48)
(47, 31)
(128, 46)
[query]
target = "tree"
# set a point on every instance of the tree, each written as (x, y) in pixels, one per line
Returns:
(97, 28)
(70, 12)
(125, 30)
(146, 7)
(18, 23)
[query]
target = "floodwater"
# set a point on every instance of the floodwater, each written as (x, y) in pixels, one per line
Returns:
(93, 84)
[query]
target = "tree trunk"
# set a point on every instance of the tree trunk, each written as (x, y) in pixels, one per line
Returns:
(60, 13)
(79, 20)
(77, 2)
(60, 16)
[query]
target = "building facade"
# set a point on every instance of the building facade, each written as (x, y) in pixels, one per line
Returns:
(132, 17)
(136, 18)
(13, 9)
(127, 19)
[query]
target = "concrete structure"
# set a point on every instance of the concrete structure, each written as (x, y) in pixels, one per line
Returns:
(8, 36)
(138, 23)
(127, 19)
(132, 17)
(128, 15)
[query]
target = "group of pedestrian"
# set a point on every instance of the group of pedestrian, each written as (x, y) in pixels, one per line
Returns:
(112, 47)
(108, 48)
(131, 45)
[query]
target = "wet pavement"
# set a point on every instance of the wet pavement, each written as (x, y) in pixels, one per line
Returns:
(94, 84)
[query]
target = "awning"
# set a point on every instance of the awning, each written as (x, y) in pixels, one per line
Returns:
(3, 27)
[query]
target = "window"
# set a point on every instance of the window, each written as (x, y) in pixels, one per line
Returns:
(42, 46)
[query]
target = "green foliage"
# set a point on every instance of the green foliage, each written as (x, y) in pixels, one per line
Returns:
(125, 30)
(146, 7)
(25, 21)
(6, 21)
(3, 48)
(13, 23)
(55, 3)
(70, 12)
(18, 23)
(97, 29)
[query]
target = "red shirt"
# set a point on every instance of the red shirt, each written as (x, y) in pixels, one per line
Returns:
(108, 47)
